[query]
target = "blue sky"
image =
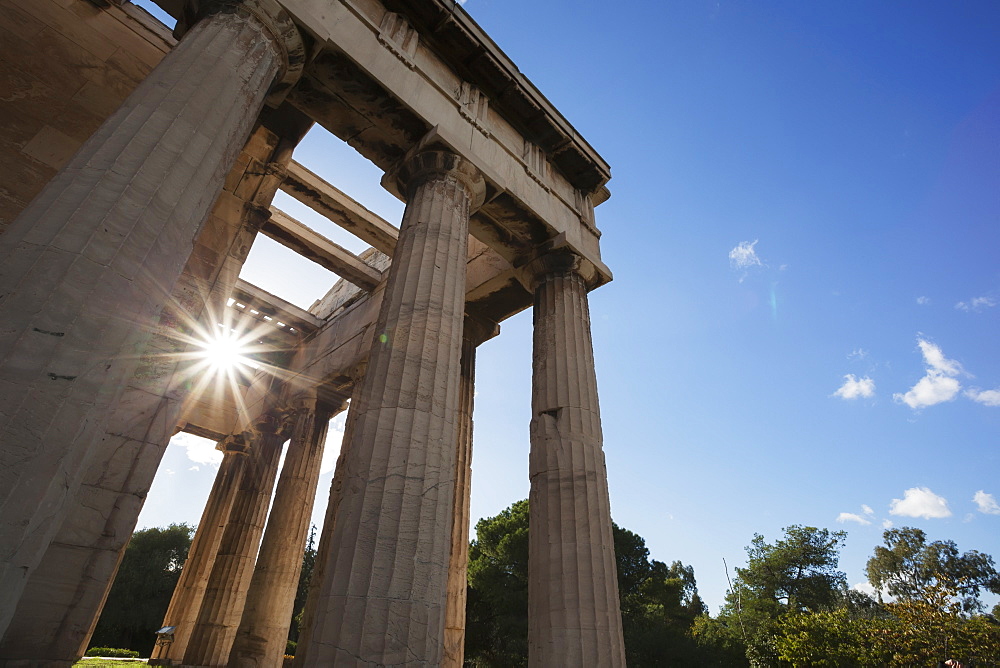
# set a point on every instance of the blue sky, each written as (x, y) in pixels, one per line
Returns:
(804, 234)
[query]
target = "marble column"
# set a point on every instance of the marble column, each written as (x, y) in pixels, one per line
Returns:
(574, 618)
(267, 615)
(385, 585)
(185, 603)
(86, 268)
(476, 331)
(310, 619)
(225, 593)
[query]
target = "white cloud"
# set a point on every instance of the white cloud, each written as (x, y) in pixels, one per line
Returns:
(867, 509)
(887, 524)
(938, 384)
(920, 502)
(851, 517)
(923, 301)
(855, 387)
(857, 354)
(976, 304)
(199, 450)
(744, 256)
(984, 397)
(986, 503)
(865, 588)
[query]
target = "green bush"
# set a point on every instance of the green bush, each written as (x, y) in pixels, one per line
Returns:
(290, 647)
(112, 651)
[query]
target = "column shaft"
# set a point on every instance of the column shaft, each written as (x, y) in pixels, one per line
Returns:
(458, 566)
(385, 584)
(263, 630)
(573, 613)
(313, 617)
(86, 269)
(226, 591)
(189, 593)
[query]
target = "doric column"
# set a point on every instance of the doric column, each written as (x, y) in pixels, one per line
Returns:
(182, 612)
(385, 585)
(62, 599)
(476, 331)
(263, 630)
(310, 618)
(226, 590)
(87, 266)
(574, 618)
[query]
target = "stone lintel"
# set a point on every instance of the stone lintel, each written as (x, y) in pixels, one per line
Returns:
(327, 200)
(314, 246)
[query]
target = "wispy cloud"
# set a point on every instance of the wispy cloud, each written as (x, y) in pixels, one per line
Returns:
(986, 503)
(857, 354)
(867, 509)
(977, 304)
(920, 502)
(923, 301)
(744, 257)
(984, 397)
(938, 384)
(854, 388)
(852, 517)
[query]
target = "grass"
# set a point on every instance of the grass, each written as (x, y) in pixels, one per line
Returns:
(106, 663)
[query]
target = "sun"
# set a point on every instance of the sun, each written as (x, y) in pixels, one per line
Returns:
(227, 352)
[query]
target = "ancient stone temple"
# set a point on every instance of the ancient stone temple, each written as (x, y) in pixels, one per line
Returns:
(139, 164)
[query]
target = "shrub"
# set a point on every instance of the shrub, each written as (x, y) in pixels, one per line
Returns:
(114, 652)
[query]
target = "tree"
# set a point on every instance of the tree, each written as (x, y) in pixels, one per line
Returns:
(797, 573)
(659, 603)
(302, 591)
(909, 568)
(142, 589)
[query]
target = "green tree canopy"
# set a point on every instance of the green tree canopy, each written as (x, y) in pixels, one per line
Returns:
(796, 573)
(910, 568)
(142, 589)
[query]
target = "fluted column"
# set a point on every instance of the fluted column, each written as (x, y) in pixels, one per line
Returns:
(263, 630)
(226, 590)
(310, 619)
(385, 582)
(87, 266)
(574, 618)
(476, 331)
(190, 590)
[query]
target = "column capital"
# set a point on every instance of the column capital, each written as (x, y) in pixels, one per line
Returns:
(561, 260)
(419, 168)
(478, 329)
(235, 444)
(275, 20)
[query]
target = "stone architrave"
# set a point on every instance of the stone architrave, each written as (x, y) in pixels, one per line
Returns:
(226, 591)
(382, 598)
(476, 331)
(87, 267)
(182, 613)
(267, 614)
(574, 618)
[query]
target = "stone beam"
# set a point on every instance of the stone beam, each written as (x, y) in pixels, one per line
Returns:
(283, 315)
(314, 192)
(379, 84)
(313, 246)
